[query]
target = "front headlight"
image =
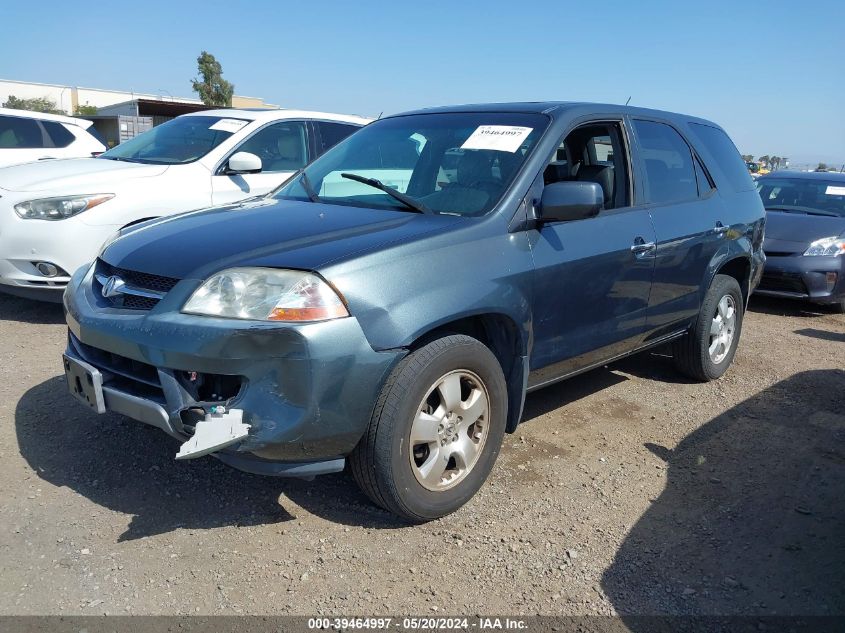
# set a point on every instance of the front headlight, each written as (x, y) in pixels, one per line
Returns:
(266, 294)
(827, 246)
(61, 207)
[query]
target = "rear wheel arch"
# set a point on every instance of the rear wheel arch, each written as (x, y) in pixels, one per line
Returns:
(740, 269)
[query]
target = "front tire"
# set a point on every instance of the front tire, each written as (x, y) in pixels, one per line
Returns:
(436, 430)
(708, 349)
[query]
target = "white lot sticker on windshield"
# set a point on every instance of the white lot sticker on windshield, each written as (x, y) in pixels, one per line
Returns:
(228, 125)
(504, 138)
(835, 191)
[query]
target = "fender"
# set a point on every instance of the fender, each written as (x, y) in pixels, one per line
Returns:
(737, 247)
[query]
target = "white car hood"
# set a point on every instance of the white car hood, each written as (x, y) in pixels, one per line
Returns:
(60, 175)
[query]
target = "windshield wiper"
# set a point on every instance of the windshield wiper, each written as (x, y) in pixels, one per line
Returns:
(408, 201)
(138, 161)
(806, 210)
(309, 190)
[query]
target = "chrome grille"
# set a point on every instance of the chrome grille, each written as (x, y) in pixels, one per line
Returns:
(137, 291)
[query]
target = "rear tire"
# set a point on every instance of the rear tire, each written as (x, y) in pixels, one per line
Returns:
(708, 349)
(436, 430)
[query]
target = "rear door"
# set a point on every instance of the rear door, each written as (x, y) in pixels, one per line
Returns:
(283, 147)
(592, 277)
(686, 214)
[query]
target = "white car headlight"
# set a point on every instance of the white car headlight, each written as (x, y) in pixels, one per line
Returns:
(827, 246)
(267, 294)
(60, 207)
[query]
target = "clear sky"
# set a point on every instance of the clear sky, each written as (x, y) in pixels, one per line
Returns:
(771, 72)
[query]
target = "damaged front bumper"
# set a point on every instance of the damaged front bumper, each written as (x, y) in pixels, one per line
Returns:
(303, 393)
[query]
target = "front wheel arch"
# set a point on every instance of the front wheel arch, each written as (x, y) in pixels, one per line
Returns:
(500, 333)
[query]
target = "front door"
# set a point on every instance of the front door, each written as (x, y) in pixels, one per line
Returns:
(283, 148)
(592, 277)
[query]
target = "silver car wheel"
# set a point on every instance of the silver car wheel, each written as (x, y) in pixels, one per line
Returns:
(722, 329)
(449, 431)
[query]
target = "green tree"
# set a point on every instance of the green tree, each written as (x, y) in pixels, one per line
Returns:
(775, 162)
(765, 160)
(36, 104)
(822, 167)
(748, 158)
(213, 89)
(82, 110)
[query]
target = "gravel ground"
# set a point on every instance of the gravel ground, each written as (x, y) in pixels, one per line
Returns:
(626, 490)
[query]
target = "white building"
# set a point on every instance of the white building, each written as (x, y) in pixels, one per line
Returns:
(68, 98)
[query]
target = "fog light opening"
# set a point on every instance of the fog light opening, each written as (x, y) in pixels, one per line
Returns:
(830, 278)
(47, 269)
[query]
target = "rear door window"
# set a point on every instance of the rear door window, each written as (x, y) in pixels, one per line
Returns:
(726, 154)
(20, 133)
(668, 163)
(333, 133)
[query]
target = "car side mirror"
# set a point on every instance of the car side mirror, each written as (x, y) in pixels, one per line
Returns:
(243, 163)
(570, 200)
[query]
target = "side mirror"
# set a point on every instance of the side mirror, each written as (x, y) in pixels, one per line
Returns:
(570, 200)
(243, 163)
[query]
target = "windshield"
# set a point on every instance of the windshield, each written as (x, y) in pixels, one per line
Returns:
(180, 140)
(458, 163)
(803, 195)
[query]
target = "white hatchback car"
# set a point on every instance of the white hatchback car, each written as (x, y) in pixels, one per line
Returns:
(28, 136)
(56, 215)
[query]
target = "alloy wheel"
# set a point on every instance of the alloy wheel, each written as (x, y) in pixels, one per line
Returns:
(722, 329)
(449, 430)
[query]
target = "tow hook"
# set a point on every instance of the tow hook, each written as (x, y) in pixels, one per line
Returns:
(219, 429)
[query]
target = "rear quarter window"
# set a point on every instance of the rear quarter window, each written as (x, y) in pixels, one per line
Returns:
(723, 150)
(58, 133)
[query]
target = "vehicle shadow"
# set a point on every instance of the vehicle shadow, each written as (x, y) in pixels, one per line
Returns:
(655, 364)
(786, 307)
(836, 337)
(553, 397)
(29, 310)
(128, 467)
(752, 519)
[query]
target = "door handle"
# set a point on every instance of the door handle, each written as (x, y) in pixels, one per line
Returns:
(641, 247)
(720, 228)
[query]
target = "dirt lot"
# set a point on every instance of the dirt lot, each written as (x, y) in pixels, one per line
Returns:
(626, 490)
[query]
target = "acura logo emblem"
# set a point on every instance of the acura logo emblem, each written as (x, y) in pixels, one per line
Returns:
(113, 286)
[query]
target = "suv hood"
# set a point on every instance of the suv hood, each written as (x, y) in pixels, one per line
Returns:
(264, 232)
(73, 175)
(788, 233)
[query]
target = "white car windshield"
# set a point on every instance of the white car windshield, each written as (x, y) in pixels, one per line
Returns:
(180, 140)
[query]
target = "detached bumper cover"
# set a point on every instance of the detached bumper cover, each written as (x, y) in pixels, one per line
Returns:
(307, 391)
(800, 277)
